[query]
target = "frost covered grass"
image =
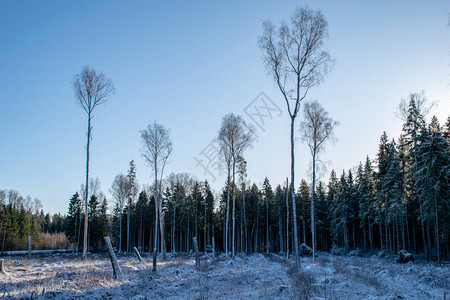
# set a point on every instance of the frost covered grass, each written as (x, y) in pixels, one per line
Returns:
(256, 276)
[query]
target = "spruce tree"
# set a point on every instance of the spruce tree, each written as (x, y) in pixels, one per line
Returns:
(432, 177)
(73, 219)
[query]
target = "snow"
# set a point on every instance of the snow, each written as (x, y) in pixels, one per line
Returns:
(256, 276)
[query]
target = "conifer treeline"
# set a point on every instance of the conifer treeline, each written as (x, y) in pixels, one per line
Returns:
(399, 200)
(21, 217)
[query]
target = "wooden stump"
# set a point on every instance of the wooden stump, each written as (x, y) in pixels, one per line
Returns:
(137, 254)
(29, 246)
(197, 255)
(2, 268)
(114, 263)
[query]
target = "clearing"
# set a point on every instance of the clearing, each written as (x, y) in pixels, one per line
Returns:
(257, 276)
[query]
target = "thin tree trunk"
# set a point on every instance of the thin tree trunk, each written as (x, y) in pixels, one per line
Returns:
(267, 226)
(162, 223)
(354, 237)
(128, 226)
(161, 217)
(234, 213)
(437, 227)
(173, 229)
(245, 219)
(233, 253)
(403, 231)
(187, 233)
(120, 232)
(241, 247)
(3, 243)
(313, 229)
(408, 233)
(294, 209)
(364, 235)
(287, 217)
(428, 241)
(155, 246)
(380, 226)
(303, 223)
(280, 230)
(397, 233)
(386, 230)
(228, 213)
(86, 217)
(79, 234)
(197, 256)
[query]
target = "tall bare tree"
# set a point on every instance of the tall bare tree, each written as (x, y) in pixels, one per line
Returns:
(234, 138)
(91, 90)
(316, 129)
(157, 148)
(119, 191)
(295, 57)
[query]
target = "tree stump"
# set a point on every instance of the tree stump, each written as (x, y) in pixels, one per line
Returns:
(404, 257)
(2, 268)
(112, 256)
(197, 255)
(137, 254)
(29, 246)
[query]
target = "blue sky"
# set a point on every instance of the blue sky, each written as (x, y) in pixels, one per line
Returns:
(186, 65)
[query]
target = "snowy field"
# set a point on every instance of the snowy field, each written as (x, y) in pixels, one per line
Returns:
(255, 276)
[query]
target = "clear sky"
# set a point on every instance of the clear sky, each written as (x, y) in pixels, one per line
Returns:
(186, 64)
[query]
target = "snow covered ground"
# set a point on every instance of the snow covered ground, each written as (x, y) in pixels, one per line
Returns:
(255, 276)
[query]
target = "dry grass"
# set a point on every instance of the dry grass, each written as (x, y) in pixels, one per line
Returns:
(52, 241)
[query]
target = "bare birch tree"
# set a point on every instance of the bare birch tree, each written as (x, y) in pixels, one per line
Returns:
(294, 55)
(316, 129)
(157, 148)
(91, 90)
(234, 138)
